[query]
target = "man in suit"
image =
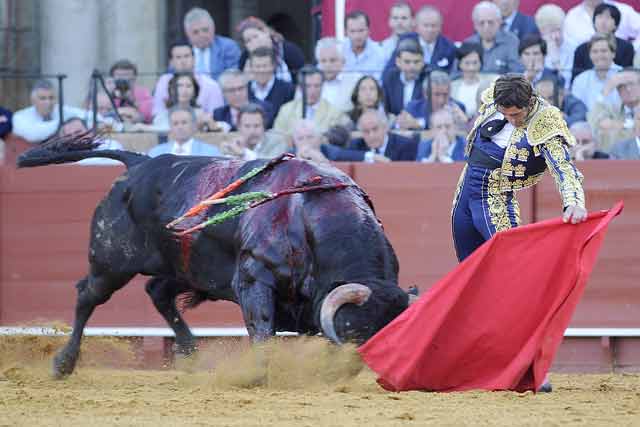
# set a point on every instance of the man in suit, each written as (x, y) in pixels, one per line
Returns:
(213, 53)
(404, 84)
(586, 147)
(377, 144)
(265, 86)
(183, 128)
(514, 21)
(439, 52)
(253, 141)
(446, 146)
(318, 110)
(436, 95)
(500, 47)
(630, 148)
(235, 88)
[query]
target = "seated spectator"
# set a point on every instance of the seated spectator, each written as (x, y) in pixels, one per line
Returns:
(589, 85)
(400, 22)
(378, 144)
(439, 52)
(446, 146)
(183, 122)
(362, 55)
(552, 89)
(606, 19)
(550, 21)
(318, 110)
(5, 122)
(586, 147)
(41, 120)
(500, 47)
(436, 92)
(254, 33)
(512, 20)
(532, 51)
(235, 87)
(367, 94)
(307, 143)
(404, 84)
(465, 88)
(181, 61)
(213, 53)
(338, 84)
(76, 126)
(183, 92)
(265, 86)
(630, 148)
(579, 22)
(614, 122)
(126, 93)
(253, 140)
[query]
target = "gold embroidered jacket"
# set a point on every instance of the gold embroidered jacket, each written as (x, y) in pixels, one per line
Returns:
(542, 142)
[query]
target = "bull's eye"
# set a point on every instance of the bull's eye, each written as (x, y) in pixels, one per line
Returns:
(348, 323)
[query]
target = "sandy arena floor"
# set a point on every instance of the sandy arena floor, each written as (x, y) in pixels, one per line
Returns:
(305, 383)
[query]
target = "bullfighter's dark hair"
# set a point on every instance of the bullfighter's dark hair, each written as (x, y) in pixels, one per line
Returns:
(252, 108)
(513, 90)
(355, 15)
(532, 40)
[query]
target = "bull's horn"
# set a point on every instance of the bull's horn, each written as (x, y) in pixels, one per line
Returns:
(353, 293)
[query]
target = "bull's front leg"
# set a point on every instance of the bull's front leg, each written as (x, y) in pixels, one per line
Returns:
(254, 286)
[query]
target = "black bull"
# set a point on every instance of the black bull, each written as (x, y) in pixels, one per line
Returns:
(309, 262)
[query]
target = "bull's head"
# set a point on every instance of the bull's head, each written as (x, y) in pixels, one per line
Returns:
(355, 312)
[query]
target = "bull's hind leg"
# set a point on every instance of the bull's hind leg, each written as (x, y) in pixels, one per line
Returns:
(92, 291)
(163, 293)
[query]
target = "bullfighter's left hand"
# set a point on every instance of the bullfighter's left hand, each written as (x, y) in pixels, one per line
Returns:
(575, 214)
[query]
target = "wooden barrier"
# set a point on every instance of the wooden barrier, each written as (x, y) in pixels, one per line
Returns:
(44, 228)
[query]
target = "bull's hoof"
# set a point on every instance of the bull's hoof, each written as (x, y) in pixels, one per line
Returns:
(63, 365)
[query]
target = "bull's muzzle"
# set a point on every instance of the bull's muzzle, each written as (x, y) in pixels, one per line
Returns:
(350, 293)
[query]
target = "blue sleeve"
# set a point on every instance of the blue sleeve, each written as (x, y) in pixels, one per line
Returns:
(5, 122)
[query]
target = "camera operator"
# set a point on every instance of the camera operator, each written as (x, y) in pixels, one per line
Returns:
(132, 100)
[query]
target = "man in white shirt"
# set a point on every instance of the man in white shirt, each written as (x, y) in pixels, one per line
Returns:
(181, 61)
(183, 127)
(42, 119)
(213, 53)
(400, 22)
(361, 53)
(338, 84)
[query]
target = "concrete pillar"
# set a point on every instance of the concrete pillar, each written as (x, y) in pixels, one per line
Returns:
(70, 44)
(134, 30)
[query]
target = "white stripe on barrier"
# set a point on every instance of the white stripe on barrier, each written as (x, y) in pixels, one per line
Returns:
(242, 332)
(130, 331)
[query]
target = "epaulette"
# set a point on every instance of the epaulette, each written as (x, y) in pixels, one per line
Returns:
(486, 98)
(548, 123)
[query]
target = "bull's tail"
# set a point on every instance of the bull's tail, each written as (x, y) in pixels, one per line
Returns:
(68, 149)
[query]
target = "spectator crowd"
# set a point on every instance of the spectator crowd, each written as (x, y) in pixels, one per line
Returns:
(410, 97)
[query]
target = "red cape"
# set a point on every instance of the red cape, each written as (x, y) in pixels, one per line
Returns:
(496, 321)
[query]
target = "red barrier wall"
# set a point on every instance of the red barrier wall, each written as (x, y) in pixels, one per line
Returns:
(45, 215)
